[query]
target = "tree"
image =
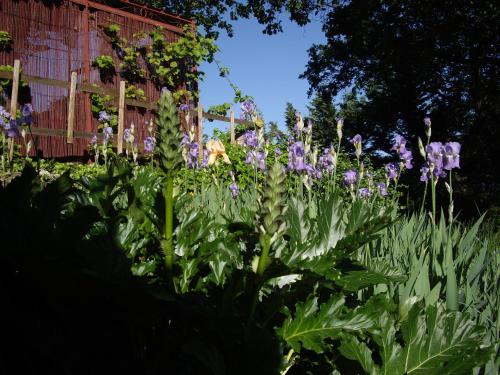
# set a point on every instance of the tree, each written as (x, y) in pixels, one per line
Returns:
(412, 58)
(290, 117)
(211, 14)
(323, 116)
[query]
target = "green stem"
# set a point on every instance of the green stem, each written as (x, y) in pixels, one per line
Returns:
(261, 267)
(264, 256)
(450, 208)
(168, 246)
(433, 190)
(423, 198)
(336, 166)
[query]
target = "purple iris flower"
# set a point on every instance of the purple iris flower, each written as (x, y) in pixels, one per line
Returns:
(425, 173)
(104, 117)
(185, 139)
(382, 189)
(350, 177)
(356, 140)
(327, 161)
(183, 107)
(406, 158)
(250, 139)
(278, 151)
(11, 128)
(392, 170)
(204, 162)
(364, 193)
(451, 155)
(427, 121)
(234, 189)
(399, 144)
(192, 156)
(108, 133)
(256, 158)
(149, 144)
(296, 154)
(298, 148)
(127, 136)
(26, 113)
(4, 113)
(94, 140)
(434, 152)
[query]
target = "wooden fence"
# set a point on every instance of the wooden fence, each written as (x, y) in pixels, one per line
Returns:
(195, 116)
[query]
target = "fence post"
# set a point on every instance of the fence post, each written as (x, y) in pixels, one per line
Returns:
(71, 108)
(13, 101)
(121, 117)
(200, 133)
(231, 127)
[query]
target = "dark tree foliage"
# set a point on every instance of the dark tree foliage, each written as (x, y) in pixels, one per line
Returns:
(323, 116)
(212, 15)
(290, 117)
(412, 58)
(405, 59)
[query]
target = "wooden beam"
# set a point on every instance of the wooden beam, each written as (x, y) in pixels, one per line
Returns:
(121, 117)
(71, 108)
(106, 8)
(13, 102)
(200, 133)
(231, 127)
(15, 88)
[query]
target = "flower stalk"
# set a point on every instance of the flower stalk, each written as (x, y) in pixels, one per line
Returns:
(168, 144)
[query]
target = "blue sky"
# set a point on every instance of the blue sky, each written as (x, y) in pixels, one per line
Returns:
(265, 67)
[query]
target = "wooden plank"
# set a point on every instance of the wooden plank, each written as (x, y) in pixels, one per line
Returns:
(15, 88)
(93, 88)
(121, 117)
(125, 14)
(200, 133)
(231, 127)
(71, 108)
(13, 102)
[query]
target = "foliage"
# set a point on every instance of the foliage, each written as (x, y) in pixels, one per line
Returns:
(189, 277)
(104, 103)
(220, 110)
(290, 117)
(5, 40)
(106, 67)
(133, 92)
(432, 59)
(172, 63)
(323, 115)
(435, 342)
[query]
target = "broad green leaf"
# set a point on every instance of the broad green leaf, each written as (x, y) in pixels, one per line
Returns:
(376, 273)
(312, 324)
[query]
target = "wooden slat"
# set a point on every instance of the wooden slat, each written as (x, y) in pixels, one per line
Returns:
(13, 101)
(121, 116)
(200, 133)
(231, 127)
(15, 88)
(71, 108)
(133, 16)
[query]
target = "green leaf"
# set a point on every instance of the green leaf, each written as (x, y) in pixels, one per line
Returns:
(376, 273)
(434, 342)
(312, 324)
(442, 343)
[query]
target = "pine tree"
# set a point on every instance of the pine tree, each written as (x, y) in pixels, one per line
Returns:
(323, 115)
(290, 117)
